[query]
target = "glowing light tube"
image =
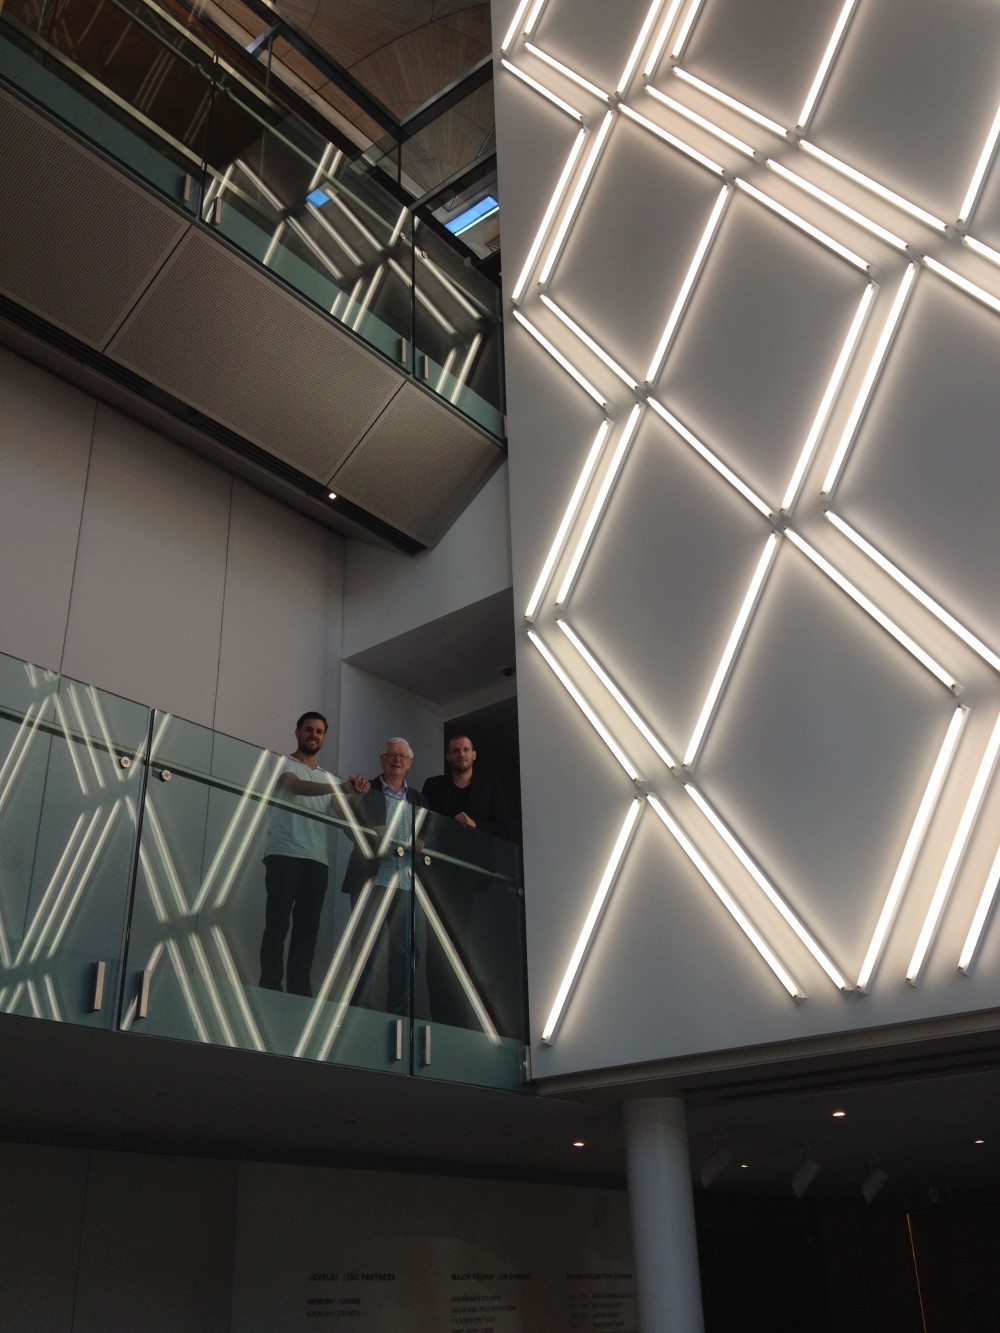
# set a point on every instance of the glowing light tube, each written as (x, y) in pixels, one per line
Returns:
(979, 175)
(515, 23)
(556, 549)
(826, 63)
(566, 364)
(704, 452)
(729, 653)
(672, 140)
(690, 278)
(956, 852)
(640, 42)
(832, 389)
(685, 29)
(924, 598)
(963, 284)
(726, 899)
(725, 100)
(550, 211)
(867, 605)
(928, 803)
(661, 39)
(838, 206)
(971, 946)
(585, 708)
(859, 178)
(568, 73)
(770, 892)
(577, 195)
(797, 221)
(533, 17)
(590, 924)
(871, 375)
(545, 92)
(597, 508)
(618, 695)
(707, 125)
(978, 248)
(588, 341)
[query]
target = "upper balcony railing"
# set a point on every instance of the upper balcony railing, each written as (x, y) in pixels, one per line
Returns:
(133, 896)
(155, 89)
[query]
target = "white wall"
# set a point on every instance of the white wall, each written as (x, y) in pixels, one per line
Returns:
(820, 754)
(134, 565)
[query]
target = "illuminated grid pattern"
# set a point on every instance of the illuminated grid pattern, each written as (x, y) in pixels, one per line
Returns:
(894, 247)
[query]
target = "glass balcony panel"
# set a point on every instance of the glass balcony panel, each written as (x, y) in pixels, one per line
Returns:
(70, 792)
(200, 909)
(124, 74)
(470, 1010)
(451, 143)
(457, 330)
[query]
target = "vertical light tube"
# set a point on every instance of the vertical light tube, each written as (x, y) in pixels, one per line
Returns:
(979, 175)
(661, 39)
(826, 63)
(971, 946)
(640, 42)
(590, 924)
(543, 230)
(588, 170)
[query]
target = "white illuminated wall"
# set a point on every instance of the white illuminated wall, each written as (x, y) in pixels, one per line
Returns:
(752, 281)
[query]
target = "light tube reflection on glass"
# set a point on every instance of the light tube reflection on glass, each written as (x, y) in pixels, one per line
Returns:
(926, 809)
(726, 899)
(590, 924)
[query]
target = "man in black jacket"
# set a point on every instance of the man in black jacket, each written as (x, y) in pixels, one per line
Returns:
(474, 801)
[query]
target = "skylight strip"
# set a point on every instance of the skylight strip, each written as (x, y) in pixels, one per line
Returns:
(597, 509)
(832, 389)
(746, 610)
(566, 364)
(879, 616)
(568, 517)
(798, 221)
(956, 853)
(727, 900)
(724, 99)
(876, 187)
(553, 204)
(585, 708)
(238, 992)
(568, 73)
(924, 598)
(871, 375)
(768, 889)
(571, 210)
(545, 92)
(826, 63)
(687, 286)
(704, 452)
(672, 140)
(701, 121)
(926, 809)
(590, 924)
(588, 341)
(618, 694)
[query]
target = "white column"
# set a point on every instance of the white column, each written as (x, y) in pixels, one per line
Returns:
(661, 1205)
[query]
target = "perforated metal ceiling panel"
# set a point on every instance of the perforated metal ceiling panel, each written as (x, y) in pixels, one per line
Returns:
(418, 466)
(233, 343)
(65, 212)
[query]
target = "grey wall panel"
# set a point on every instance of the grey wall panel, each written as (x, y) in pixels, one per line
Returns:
(371, 711)
(41, 1216)
(44, 456)
(147, 597)
(221, 335)
(157, 1244)
(80, 241)
(281, 626)
(417, 466)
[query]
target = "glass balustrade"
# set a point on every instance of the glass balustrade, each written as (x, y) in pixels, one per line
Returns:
(136, 886)
(154, 88)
